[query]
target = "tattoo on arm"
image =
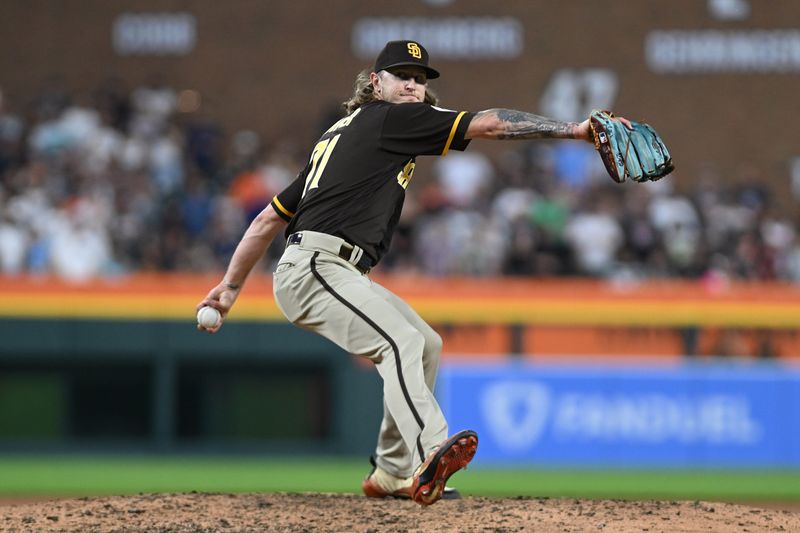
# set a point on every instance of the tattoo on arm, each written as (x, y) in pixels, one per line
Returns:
(522, 125)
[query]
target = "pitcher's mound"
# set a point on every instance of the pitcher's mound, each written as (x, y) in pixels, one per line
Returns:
(347, 512)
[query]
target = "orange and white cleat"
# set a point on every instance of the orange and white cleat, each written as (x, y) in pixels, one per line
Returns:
(452, 455)
(381, 484)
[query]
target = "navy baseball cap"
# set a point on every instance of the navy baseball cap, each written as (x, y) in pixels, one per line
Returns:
(403, 54)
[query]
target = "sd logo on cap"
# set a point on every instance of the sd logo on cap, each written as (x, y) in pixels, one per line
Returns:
(402, 54)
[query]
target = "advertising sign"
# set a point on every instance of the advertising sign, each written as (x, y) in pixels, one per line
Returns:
(692, 415)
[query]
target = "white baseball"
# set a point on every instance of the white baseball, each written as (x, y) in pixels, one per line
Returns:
(208, 317)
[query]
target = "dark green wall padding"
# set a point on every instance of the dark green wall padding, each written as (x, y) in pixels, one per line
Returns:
(109, 385)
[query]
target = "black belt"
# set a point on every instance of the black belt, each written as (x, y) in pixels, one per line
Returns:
(345, 250)
(363, 264)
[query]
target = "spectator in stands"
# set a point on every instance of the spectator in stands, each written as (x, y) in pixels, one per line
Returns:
(465, 178)
(595, 235)
(14, 243)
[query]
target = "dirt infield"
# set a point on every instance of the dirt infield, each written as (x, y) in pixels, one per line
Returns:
(349, 513)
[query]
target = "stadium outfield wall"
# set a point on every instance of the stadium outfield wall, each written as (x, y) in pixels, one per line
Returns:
(688, 416)
(116, 365)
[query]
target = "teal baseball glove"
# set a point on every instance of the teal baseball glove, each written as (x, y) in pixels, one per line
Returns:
(638, 154)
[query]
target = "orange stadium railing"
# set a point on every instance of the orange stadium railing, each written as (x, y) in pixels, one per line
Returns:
(479, 316)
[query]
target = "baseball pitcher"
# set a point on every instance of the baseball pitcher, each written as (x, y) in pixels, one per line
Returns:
(339, 215)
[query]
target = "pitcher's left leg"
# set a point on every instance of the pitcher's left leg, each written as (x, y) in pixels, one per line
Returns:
(391, 454)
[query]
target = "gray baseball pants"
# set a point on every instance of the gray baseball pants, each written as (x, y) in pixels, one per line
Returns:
(317, 287)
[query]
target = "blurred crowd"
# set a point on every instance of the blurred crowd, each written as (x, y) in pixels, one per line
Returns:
(137, 179)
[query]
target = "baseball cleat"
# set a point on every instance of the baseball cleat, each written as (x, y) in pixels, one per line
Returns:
(372, 489)
(449, 493)
(451, 456)
(381, 484)
(372, 486)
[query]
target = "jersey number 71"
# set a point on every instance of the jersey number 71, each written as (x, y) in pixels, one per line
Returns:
(319, 158)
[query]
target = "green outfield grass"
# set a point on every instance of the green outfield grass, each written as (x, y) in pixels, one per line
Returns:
(84, 476)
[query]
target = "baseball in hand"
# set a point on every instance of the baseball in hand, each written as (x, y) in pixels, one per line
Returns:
(208, 317)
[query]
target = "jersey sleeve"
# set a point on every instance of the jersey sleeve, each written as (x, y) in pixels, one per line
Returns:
(422, 129)
(285, 202)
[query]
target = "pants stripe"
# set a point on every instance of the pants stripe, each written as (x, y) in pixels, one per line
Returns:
(386, 336)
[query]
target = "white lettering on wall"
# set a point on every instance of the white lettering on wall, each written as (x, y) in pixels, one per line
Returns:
(716, 51)
(446, 38)
(655, 418)
(520, 414)
(154, 33)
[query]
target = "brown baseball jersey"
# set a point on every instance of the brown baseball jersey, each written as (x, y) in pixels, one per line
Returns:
(354, 184)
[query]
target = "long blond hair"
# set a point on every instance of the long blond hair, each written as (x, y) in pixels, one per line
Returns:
(362, 93)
